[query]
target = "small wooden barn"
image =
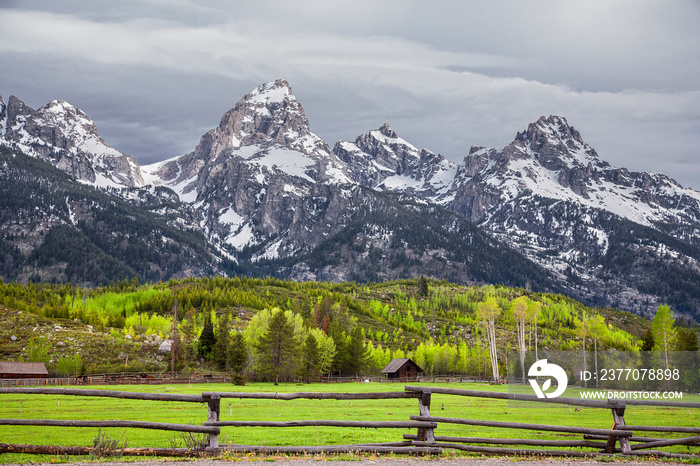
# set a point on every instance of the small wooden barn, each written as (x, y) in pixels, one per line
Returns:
(403, 369)
(23, 370)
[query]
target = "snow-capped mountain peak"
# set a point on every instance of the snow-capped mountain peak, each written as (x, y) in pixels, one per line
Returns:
(385, 130)
(270, 110)
(553, 142)
(267, 128)
(65, 136)
(272, 92)
(262, 157)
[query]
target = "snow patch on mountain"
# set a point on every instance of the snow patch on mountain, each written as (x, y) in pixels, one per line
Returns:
(290, 162)
(150, 172)
(400, 183)
(241, 232)
(242, 237)
(272, 251)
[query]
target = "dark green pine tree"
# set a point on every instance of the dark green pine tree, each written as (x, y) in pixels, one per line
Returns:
(357, 352)
(277, 348)
(221, 345)
(310, 363)
(686, 339)
(207, 339)
(338, 329)
(422, 286)
(237, 358)
(648, 340)
(687, 360)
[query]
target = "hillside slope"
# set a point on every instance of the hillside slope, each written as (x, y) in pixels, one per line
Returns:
(53, 228)
(105, 325)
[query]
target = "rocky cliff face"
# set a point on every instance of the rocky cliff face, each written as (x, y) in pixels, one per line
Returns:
(67, 138)
(380, 159)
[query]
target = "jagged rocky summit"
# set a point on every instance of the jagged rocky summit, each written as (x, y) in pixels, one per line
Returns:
(261, 174)
(67, 138)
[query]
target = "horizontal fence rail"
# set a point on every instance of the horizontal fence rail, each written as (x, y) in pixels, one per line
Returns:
(398, 448)
(517, 425)
(620, 439)
(108, 394)
(329, 423)
(610, 403)
(692, 430)
(511, 451)
(666, 443)
(522, 397)
(317, 395)
(510, 441)
(205, 429)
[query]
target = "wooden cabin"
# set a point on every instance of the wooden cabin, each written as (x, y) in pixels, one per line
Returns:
(402, 369)
(23, 370)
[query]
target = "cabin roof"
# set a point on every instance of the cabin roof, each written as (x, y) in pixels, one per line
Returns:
(23, 368)
(397, 364)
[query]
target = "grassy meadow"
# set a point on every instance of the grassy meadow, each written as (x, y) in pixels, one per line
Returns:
(23, 406)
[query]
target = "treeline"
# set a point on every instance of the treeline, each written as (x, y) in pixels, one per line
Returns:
(279, 345)
(363, 326)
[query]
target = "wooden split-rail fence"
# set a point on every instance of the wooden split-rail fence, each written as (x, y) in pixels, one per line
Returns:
(621, 439)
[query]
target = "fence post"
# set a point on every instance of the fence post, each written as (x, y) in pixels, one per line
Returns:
(618, 412)
(425, 434)
(214, 405)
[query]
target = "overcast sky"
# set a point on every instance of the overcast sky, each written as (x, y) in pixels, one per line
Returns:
(155, 75)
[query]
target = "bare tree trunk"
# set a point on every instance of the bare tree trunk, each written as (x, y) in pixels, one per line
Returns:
(536, 356)
(520, 324)
(595, 357)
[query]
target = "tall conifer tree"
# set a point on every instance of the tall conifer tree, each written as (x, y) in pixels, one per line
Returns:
(277, 348)
(207, 339)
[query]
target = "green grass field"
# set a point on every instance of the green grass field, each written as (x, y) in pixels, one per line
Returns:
(24, 406)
